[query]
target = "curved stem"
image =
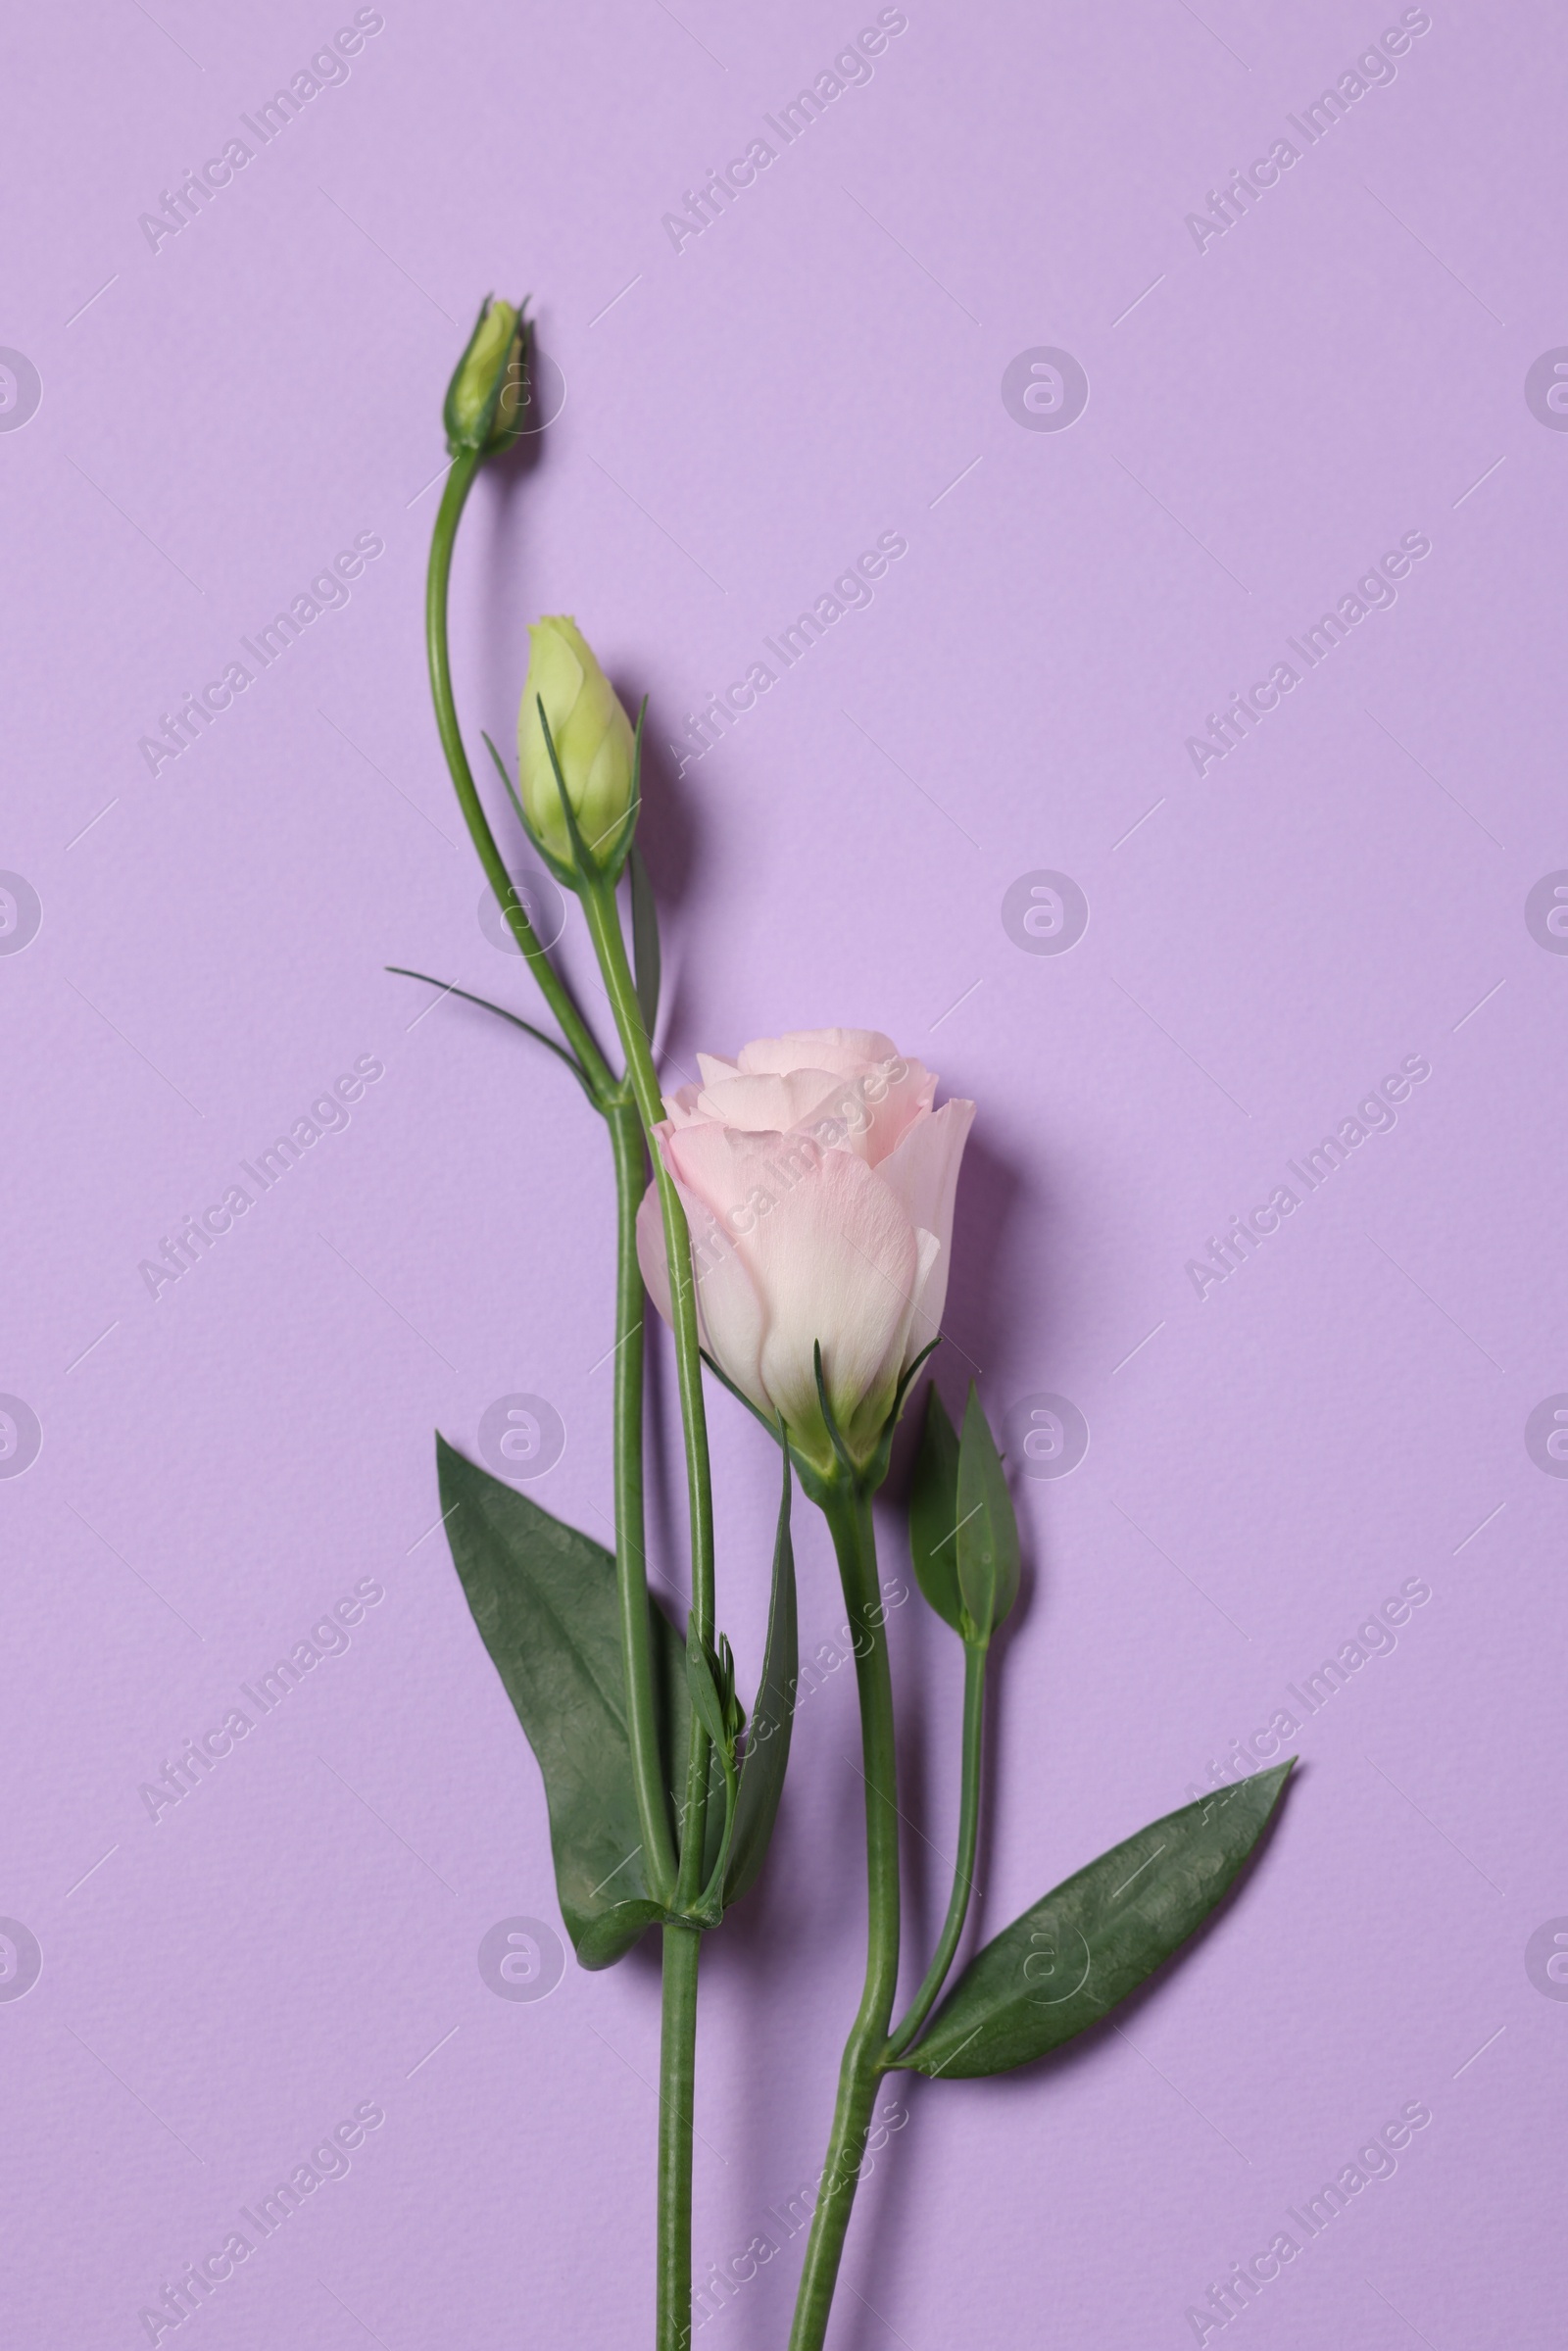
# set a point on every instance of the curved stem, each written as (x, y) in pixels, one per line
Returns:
(454, 497)
(847, 1510)
(677, 2081)
(921, 2007)
(603, 924)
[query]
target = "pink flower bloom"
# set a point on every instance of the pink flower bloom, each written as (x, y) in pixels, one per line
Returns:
(818, 1183)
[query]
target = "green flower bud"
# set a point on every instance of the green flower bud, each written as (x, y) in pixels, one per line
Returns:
(485, 396)
(594, 744)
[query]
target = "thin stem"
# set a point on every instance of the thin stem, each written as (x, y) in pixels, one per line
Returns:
(603, 924)
(921, 2007)
(454, 497)
(631, 1577)
(678, 2079)
(847, 1510)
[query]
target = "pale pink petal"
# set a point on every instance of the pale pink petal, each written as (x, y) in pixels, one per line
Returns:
(682, 1106)
(923, 1171)
(762, 1106)
(841, 1050)
(729, 1313)
(834, 1260)
(713, 1069)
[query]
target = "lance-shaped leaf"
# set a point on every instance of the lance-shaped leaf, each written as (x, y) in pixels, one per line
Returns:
(987, 1532)
(767, 1742)
(1066, 1963)
(934, 1513)
(544, 1599)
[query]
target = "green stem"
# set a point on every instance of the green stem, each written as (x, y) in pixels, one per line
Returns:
(603, 924)
(848, 1511)
(610, 1095)
(677, 2079)
(632, 1575)
(454, 497)
(921, 2007)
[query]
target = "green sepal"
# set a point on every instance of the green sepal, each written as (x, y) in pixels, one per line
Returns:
(544, 1599)
(986, 1530)
(767, 1742)
(705, 1682)
(1067, 1961)
(934, 1513)
(586, 868)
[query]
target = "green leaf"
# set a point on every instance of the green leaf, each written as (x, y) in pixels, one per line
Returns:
(768, 1744)
(934, 1513)
(646, 962)
(544, 1599)
(987, 1532)
(1066, 1963)
(402, 972)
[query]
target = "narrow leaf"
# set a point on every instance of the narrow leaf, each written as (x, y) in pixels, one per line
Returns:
(767, 1743)
(645, 954)
(703, 1685)
(544, 1600)
(1066, 1963)
(505, 774)
(988, 1530)
(499, 1010)
(934, 1513)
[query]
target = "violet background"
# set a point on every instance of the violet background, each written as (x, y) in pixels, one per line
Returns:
(1266, 1465)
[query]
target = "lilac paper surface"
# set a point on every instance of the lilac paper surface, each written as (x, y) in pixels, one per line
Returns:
(887, 334)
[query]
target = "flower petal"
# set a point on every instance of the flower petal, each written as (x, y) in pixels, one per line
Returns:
(842, 1051)
(923, 1171)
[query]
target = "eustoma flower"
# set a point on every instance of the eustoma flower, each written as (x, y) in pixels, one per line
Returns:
(818, 1183)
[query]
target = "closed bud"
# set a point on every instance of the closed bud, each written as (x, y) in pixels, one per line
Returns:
(485, 396)
(594, 745)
